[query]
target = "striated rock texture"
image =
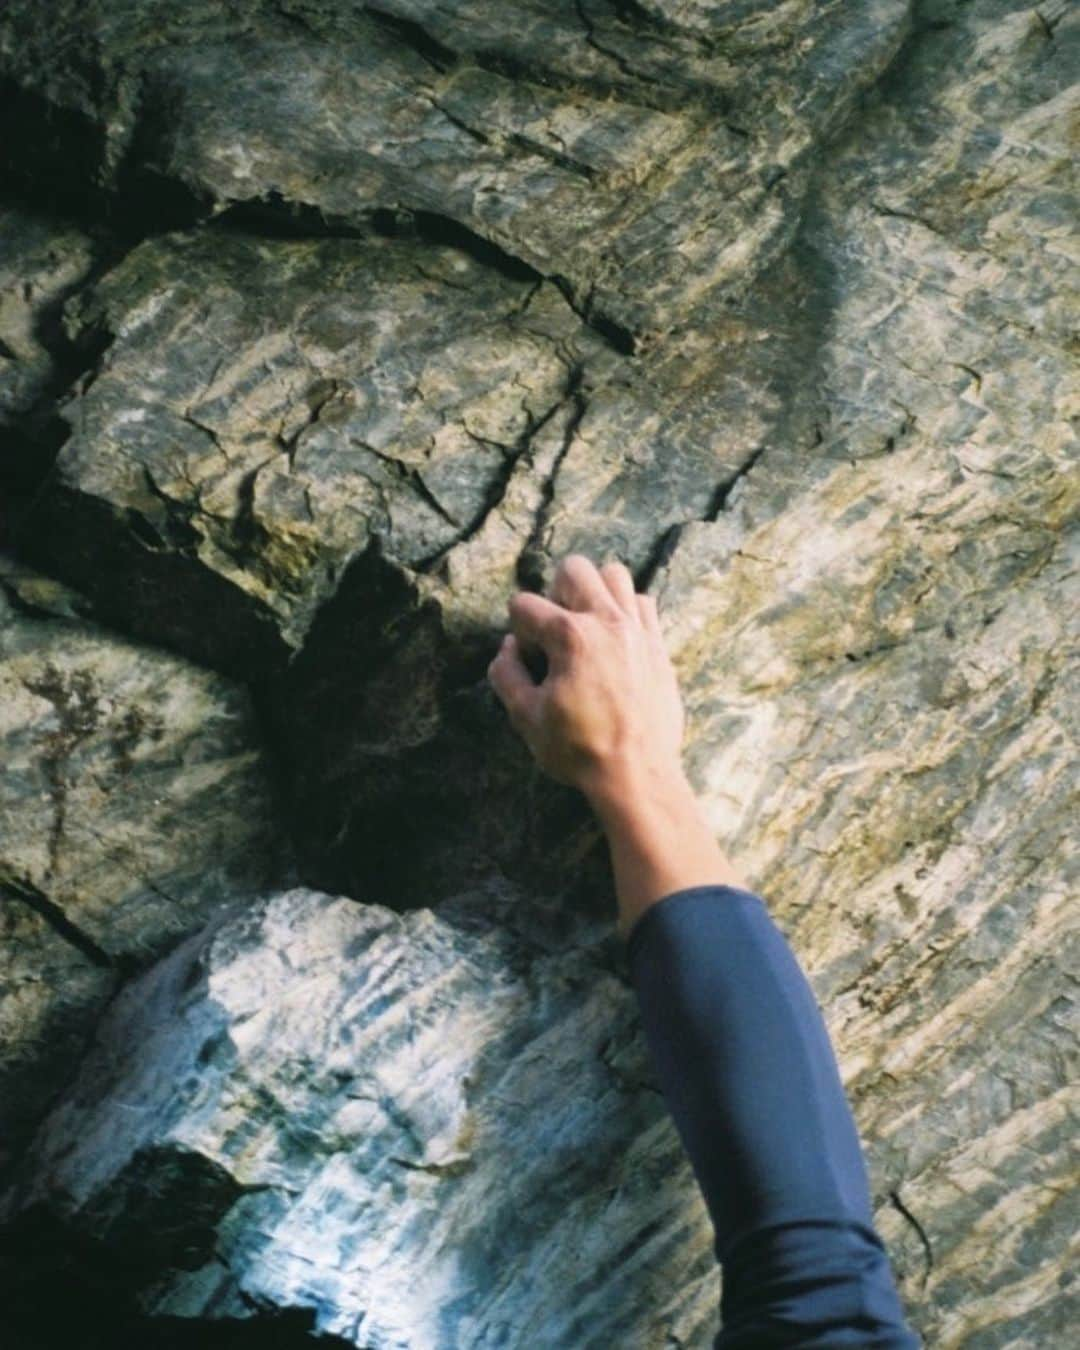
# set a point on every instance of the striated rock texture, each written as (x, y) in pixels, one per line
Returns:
(324, 328)
(621, 147)
(43, 261)
(40, 263)
(336, 1107)
(135, 794)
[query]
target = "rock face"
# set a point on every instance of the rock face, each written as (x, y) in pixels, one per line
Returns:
(330, 390)
(39, 264)
(135, 796)
(43, 260)
(323, 329)
(599, 142)
(414, 1171)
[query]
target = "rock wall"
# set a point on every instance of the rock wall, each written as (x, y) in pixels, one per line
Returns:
(323, 329)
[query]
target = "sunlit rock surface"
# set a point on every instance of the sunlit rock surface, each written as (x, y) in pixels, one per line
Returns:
(358, 319)
(370, 1112)
(264, 407)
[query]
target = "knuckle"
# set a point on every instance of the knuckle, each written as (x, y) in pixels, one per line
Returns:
(517, 722)
(561, 705)
(514, 702)
(575, 562)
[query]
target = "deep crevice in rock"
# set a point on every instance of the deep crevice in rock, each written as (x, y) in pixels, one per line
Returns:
(902, 1209)
(278, 217)
(724, 488)
(414, 36)
(147, 591)
(433, 228)
(86, 1297)
(34, 440)
(57, 163)
(532, 559)
(26, 893)
(497, 490)
(659, 555)
(55, 159)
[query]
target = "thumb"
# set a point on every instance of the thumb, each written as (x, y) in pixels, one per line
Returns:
(510, 678)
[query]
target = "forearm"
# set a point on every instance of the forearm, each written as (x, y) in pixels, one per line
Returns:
(741, 1050)
(658, 837)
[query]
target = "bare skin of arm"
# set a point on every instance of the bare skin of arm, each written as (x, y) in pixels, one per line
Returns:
(608, 719)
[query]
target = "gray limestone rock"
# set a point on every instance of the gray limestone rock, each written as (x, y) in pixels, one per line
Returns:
(330, 1106)
(135, 800)
(775, 302)
(300, 460)
(264, 408)
(44, 258)
(646, 158)
(51, 991)
(39, 264)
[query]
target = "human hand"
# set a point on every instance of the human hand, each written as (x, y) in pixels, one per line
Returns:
(608, 710)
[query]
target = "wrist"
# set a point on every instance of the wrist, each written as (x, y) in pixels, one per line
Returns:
(659, 836)
(622, 791)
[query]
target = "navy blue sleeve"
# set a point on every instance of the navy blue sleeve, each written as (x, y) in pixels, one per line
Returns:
(747, 1069)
